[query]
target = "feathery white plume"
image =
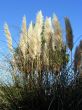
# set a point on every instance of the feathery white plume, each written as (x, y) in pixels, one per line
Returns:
(47, 36)
(8, 36)
(47, 29)
(57, 31)
(39, 22)
(31, 40)
(30, 30)
(37, 34)
(23, 37)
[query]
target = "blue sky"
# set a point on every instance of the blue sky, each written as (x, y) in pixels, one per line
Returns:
(12, 12)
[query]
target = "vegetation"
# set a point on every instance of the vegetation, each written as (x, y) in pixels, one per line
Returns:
(40, 68)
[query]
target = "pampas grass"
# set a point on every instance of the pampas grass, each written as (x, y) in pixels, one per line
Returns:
(77, 58)
(29, 52)
(57, 31)
(69, 35)
(8, 36)
(39, 66)
(23, 37)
